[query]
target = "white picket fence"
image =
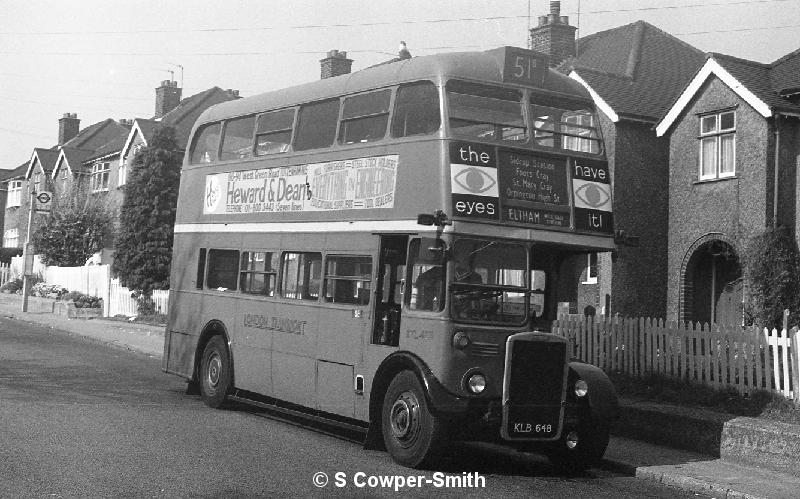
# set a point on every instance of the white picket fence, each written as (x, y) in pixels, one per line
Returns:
(717, 356)
(96, 280)
(122, 302)
(5, 273)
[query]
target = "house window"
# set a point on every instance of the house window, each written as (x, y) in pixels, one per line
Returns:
(122, 178)
(37, 182)
(591, 269)
(11, 238)
(717, 145)
(14, 194)
(64, 181)
(100, 176)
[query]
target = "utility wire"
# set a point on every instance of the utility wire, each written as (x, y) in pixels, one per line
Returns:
(378, 23)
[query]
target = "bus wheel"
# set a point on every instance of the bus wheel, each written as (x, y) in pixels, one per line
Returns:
(215, 372)
(413, 436)
(581, 448)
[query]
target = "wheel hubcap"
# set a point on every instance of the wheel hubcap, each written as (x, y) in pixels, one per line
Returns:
(404, 417)
(214, 368)
(572, 440)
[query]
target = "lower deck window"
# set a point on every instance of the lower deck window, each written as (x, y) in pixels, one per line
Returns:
(347, 279)
(223, 267)
(258, 272)
(301, 275)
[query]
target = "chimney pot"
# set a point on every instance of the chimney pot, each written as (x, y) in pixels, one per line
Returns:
(554, 36)
(542, 20)
(335, 64)
(68, 127)
(168, 96)
(555, 7)
(564, 19)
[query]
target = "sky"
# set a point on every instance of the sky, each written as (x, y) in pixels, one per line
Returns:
(103, 58)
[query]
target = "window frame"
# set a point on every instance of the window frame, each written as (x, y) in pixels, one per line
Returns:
(304, 273)
(221, 154)
(718, 137)
(14, 198)
(259, 133)
(210, 269)
(332, 279)
(345, 119)
(270, 275)
(8, 238)
(103, 173)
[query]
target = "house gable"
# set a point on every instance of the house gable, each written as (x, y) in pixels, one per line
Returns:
(711, 67)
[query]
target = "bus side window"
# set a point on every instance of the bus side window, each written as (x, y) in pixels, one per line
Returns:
(426, 275)
(258, 272)
(316, 126)
(223, 267)
(201, 269)
(237, 143)
(274, 132)
(365, 117)
(205, 144)
(416, 110)
(300, 275)
(348, 279)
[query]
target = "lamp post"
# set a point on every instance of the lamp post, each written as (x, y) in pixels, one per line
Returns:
(27, 258)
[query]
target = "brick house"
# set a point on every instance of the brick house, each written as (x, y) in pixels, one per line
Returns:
(734, 137)
(634, 73)
(96, 159)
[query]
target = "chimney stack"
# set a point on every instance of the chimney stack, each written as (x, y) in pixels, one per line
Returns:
(554, 36)
(168, 96)
(335, 64)
(68, 127)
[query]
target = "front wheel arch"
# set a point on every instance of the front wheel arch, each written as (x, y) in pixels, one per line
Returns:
(213, 328)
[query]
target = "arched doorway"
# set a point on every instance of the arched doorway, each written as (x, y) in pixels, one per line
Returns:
(712, 284)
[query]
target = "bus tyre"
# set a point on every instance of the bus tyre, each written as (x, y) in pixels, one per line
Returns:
(579, 449)
(413, 436)
(215, 372)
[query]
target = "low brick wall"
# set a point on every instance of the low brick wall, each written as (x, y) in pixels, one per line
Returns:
(69, 310)
(771, 445)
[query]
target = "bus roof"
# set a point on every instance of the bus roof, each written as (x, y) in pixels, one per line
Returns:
(485, 66)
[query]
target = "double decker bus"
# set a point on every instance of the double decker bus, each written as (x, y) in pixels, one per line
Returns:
(387, 249)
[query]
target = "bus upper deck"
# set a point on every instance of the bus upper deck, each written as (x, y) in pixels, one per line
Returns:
(524, 149)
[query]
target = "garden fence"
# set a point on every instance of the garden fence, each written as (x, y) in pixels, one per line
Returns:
(717, 356)
(96, 280)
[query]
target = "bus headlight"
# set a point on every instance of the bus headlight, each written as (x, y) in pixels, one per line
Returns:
(476, 383)
(581, 388)
(461, 340)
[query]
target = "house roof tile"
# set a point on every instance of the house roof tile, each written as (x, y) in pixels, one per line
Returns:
(637, 69)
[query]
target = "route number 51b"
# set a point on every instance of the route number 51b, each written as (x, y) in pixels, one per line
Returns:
(524, 66)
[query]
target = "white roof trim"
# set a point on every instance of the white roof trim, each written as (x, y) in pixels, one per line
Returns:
(598, 101)
(710, 67)
(62, 158)
(33, 161)
(135, 129)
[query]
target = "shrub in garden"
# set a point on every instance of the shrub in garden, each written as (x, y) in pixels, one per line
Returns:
(12, 286)
(83, 301)
(44, 290)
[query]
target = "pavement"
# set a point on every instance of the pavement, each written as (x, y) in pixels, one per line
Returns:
(701, 472)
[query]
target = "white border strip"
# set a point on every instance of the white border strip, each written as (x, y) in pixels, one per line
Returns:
(410, 226)
(710, 67)
(598, 101)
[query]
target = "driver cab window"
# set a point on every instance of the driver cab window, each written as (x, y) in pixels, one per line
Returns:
(426, 275)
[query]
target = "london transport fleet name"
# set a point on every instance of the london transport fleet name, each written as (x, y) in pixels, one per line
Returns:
(280, 324)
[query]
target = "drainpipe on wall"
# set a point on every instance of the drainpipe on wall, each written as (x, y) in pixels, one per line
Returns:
(777, 163)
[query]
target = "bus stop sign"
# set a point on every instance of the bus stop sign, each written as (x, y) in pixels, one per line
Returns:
(44, 200)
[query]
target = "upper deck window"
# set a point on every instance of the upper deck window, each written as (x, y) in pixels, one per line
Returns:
(365, 117)
(316, 125)
(206, 144)
(567, 127)
(274, 132)
(238, 140)
(486, 112)
(416, 110)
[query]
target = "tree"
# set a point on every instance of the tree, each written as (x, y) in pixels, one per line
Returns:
(773, 275)
(76, 228)
(144, 240)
